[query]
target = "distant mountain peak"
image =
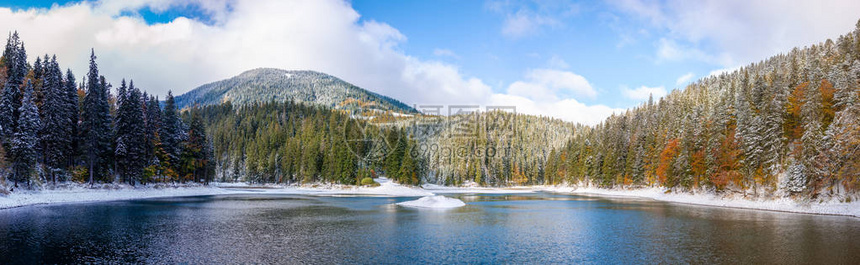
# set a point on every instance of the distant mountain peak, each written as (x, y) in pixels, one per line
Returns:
(305, 86)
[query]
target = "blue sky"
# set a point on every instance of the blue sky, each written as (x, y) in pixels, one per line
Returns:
(576, 60)
(587, 41)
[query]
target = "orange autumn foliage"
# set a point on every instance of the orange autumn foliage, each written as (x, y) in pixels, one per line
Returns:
(728, 160)
(827, 92)
(793, 128)
(665, 162)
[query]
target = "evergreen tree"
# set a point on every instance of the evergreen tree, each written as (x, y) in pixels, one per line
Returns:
(14, 60)
(96, 124)
(130, 134)
(56, 126)
(72, 116)
(25, 138)
(121, 146)
(195, 158)
(171, 130)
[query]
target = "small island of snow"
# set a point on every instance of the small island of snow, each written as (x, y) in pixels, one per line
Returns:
(436, 202)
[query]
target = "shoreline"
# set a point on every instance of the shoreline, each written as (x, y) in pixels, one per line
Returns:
(75, 193)
(784, 205)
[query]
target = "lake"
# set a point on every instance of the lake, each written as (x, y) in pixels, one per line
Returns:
(534, 228)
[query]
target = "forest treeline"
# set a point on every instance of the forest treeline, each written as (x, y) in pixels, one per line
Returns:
(787, 125)
(290, 142)
(488, 148)
(53, 128)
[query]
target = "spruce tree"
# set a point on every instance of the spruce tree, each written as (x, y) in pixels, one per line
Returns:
(14, 59)
(25, 138)
(72, 115)
(153, 125)
(195, 159)
(56, 126)
(96, 124)
(130, 135)
(171, 131)
(122, 131)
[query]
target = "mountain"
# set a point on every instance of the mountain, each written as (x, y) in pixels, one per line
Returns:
(267, 84)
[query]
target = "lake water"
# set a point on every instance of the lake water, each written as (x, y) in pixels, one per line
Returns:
(535, 228)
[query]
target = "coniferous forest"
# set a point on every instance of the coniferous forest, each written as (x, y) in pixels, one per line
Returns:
(787, 125)
(56, 128)
(289, 142)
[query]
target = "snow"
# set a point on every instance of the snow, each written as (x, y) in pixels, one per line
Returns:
(710, 199)
(438, 189)
(386, 188)
(435, 202)
(73, 193)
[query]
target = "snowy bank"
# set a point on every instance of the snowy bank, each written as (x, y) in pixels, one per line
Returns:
(438, 189)
(77, 192)
(780, 204)
(386, 188)
(436, 202)
(73, 193)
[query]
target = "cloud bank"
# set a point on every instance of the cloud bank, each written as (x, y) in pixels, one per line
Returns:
(322, 35)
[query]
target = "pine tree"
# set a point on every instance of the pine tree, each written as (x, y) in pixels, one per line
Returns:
(195, 160)
(153, 125)
(96, 124)
(14, 59)
(37, 69)
(25, 138)
(41, 69)
(130, 134)
(171, 130)
(10, 103)
(122, 144)
(56, 126)
(72, 116)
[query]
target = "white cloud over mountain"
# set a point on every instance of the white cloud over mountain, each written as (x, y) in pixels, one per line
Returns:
(721, 31)
(321, 35)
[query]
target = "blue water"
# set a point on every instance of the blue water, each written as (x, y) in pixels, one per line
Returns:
(535, 228)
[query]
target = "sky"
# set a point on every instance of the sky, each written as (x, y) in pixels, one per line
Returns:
(578, 61)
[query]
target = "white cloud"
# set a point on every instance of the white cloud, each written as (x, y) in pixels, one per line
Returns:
(522, 23)
(445, 53)
(529, 17)
(321, 35)
(557, 63)
(670, 50)
(567, 109)
(547, 92)
(643, 92)
(325, 36)
(724, 29)
(547, 84)
(684, 79)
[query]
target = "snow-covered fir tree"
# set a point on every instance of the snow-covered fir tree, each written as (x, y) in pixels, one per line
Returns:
(25, 139)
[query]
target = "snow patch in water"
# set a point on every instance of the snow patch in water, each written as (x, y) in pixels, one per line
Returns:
(436, 202)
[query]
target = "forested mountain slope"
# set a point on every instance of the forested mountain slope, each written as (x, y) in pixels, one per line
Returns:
(494, 148)
(788, 125)
(287, 142)
(267, 84)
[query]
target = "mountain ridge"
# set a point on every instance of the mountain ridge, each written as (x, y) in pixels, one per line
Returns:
(305, 86)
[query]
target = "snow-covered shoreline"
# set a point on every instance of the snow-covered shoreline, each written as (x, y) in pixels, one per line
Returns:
(79, 193)
(114, 192)
(708, 199)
